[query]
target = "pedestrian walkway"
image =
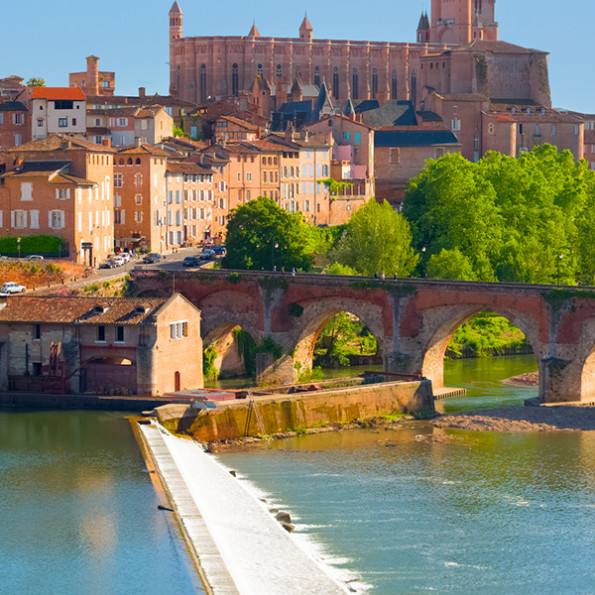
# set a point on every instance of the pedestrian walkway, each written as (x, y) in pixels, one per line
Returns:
(241, 547)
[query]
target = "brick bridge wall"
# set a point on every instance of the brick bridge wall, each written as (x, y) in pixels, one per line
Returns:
(412, 319)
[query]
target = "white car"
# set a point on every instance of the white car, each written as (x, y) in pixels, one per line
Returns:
(12, 287)
(119, 261)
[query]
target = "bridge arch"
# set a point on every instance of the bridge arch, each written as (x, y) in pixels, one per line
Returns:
(441, 324)
(318, 313)
(227, 347)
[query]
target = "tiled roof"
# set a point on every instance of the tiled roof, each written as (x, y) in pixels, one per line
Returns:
(60, 142)
(188, 167)
(240, 122)
(414, 138)
(58, 93)
(80, 310)
(13, 106)
(495, 47)
(144, 149)
(175, 9)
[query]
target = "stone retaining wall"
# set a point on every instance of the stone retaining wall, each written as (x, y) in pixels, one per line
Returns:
(282, 413)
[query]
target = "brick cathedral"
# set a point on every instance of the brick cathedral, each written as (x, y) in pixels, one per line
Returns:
(456, 51)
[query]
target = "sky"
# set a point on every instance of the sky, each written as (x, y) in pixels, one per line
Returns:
(51, 39)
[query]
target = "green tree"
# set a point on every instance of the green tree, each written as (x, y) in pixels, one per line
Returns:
(35, 82)
(450, 264)
(261, 235)
(376, 239)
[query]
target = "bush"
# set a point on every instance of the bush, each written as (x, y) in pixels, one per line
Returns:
(42, 244)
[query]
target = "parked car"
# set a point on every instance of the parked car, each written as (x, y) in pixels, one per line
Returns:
(206, 255)
(152, 258)
(119, 261)
(35, 257)
(219, 250)
(125, 256)
(107, 264)
(190, 261)
(12, 287)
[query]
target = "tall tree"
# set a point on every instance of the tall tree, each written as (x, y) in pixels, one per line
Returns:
(376, 239)
(260, 236)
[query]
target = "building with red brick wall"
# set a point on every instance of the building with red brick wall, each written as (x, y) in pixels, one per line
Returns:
(61, 186)
(140, 209)
(461, 38)
(116, 346)
(92, 81)
(15, 124)
(401, 153)
(589, 139)
(230, 128)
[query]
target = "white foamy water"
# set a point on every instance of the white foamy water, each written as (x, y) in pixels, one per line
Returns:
(252, 552)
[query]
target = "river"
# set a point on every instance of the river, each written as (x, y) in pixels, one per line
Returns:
(489, 513)
(477, 513)
(79, 512)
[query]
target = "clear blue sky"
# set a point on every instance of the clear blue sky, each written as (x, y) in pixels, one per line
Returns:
(51, 39)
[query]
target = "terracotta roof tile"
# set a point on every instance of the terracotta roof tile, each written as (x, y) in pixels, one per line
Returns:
(57, 93)
(80, 310)
(60, 142)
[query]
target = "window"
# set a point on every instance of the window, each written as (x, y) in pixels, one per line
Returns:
(395, 155)
(491, 128)
(36, 332)
(317, 76)
(346, 136)
(74, 121)
(203, 82)
(354, 90)
(357, 137)
(19, 219)
(279, 70)
(336, 83)
(393, 85)
(1, 118)
(120, 334)
(18, 119)
(476, 142)
(249, 177)
(456, 124)
(39, 123)
(101, 333)
(139, 199)
(138, 180)
(62, 122)
(138, 216)
(118, 178)
(554, 130)
(62, 193)
(374, 82)
(18, 139)
(56, 219)
(234, 80)
(178, 330)
(63, 104)
(118, 217)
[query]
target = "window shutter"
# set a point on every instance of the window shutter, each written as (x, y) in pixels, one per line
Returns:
(35, 219)
(62, 219)
(12, 219)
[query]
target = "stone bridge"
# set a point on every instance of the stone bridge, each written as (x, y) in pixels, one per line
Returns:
(412, 320)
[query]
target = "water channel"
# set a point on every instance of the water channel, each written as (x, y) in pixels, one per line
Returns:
(461, 512)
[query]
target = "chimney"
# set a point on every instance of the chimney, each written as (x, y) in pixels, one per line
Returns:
(142, 91)
(289, 133)
(92, 87)
(138, 141)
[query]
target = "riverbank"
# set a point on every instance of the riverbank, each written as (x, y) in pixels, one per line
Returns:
(522, 419)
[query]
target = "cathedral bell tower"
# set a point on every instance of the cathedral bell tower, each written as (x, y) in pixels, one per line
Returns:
(462, 21)
(175, 32)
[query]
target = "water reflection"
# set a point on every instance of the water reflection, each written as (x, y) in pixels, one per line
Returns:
(79, 512)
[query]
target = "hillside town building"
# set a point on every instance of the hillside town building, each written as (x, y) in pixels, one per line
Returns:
(115, 346)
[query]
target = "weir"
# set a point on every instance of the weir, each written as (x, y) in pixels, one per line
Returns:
(240, 546)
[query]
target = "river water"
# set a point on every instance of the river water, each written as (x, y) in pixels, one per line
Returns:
(79, 513)
(463, 512)
(489, 513)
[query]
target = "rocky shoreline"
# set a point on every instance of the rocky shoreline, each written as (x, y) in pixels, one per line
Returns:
(558, 418)
(529, 379)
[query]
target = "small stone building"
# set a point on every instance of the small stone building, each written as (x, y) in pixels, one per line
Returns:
(115, 346)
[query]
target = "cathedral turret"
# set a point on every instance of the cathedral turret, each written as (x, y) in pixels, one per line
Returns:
(423, 28)
(175, 21)
(306, 30)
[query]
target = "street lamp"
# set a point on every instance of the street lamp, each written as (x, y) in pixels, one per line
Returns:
(275, 246)
(560, 257)
(19, 247)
